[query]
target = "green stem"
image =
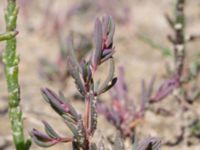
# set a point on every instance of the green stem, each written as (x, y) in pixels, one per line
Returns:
(11, 61)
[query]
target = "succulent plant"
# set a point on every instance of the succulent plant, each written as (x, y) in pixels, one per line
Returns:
(124, 113)
(84, 125)
(10, 60)
(188, 75)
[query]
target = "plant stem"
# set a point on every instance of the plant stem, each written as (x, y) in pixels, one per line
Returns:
(87, 112)
(11, 61)
(179, 27)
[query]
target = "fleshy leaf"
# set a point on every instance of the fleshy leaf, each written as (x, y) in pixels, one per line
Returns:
(111, 33)
(50, 131)
(166, 88)
(151, 86)
(105, 86)
(108, 56)
(75, 73)
(42, 139)
(96, 56)
(71, 108)
(74, 67)
(109, 86)
(71, 126)
(61, 107)
(58, 105)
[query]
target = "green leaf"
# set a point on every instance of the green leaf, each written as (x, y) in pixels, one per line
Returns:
(72, 127)
(109, 82)
(8, 35)
(50, 131)
(74, 71)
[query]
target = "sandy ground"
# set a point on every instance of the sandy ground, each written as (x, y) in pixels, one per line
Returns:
(36, 41)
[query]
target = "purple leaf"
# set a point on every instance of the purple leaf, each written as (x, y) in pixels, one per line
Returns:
(42, 139)
(166, 88)
(105, 26)
(61, 107)
(50, 131)
(111, 33)
(96, 56)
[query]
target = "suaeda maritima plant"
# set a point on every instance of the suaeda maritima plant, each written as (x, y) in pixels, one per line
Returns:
(124, 114)
(11, 60)
(188, 91)
(187, 72)
(83, 125)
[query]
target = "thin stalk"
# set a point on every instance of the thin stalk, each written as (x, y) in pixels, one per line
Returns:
(179, 27)
(11, 61)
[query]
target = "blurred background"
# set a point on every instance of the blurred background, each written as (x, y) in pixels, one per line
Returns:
(44, 25)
